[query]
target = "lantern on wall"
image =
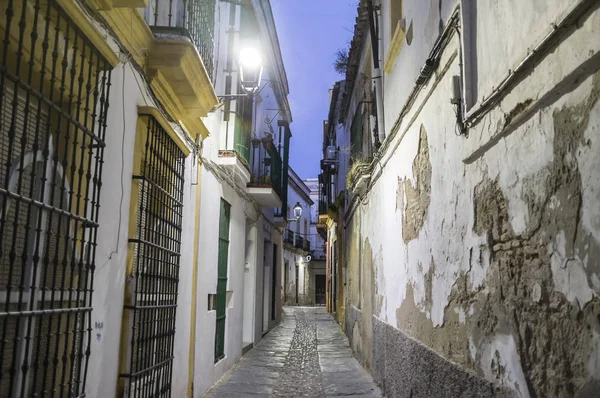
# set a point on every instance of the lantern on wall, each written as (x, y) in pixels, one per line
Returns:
(297, 211)
(251, 68)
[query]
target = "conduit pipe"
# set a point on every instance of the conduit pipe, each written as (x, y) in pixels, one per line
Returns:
(377, 75)
(560, 29)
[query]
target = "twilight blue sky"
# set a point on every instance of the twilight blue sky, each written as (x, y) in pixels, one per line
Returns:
(310, 32)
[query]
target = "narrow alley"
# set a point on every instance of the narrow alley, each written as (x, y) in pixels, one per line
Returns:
(307, 355)
(300, 198)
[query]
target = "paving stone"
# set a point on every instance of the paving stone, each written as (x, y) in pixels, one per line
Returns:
(307, 355)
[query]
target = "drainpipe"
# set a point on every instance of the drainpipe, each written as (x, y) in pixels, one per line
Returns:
(377, 74)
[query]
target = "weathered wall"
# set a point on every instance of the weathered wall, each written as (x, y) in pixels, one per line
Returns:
(483, 251)
(423, 19)
(524, 22)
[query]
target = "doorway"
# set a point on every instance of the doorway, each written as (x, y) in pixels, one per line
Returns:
(297, 279)
(285, 281)
(320, 289)
(274, 284)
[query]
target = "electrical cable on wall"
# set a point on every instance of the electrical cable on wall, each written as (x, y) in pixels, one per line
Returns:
(116, 250)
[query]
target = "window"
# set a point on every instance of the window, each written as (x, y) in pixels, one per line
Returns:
(153, 274)
(243, 127)
(356, 140)
(223, 259)
(396, 35)
(53, 104)
(395, 16)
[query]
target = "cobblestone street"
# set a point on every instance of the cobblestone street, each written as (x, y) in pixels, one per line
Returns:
(307, 355)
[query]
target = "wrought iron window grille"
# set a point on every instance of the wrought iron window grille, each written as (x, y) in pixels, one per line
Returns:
(152, 302)
(54, 89)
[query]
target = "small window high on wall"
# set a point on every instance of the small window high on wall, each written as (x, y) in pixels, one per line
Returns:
(395, 15)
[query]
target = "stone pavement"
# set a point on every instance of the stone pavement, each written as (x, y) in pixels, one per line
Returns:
(307, 355)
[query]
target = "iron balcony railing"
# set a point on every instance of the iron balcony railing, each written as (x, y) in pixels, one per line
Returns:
(289, 237)
(324, 193)
(322, 207)
(299, 242)
(194, 19)
(266, 167)
(306, 246)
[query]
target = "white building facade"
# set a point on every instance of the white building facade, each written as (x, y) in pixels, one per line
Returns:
(471, 257)
(244, 161)
(137, 259)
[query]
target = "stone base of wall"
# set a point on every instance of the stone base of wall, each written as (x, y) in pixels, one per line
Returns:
(353, 317)
(403, 367)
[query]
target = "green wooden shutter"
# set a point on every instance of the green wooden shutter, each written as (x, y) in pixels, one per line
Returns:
(356, 136)
(222, 279)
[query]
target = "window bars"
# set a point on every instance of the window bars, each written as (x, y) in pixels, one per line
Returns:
(266, 167)
(54, 88)
(151, 300)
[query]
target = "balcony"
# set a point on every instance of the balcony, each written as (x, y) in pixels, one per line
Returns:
(173, 40)
(299, 243)
(180, 61)
(266, 170)
(234, 147)
(322, 207)
(306, 246)
(288, 237)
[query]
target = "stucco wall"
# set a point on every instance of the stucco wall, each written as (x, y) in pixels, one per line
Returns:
(484, 250)
(111, 255)
(423, 19)
(110, 272)
(206, 372)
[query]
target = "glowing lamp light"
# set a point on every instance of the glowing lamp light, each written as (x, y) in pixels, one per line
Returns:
(297, 211)
(251, 68)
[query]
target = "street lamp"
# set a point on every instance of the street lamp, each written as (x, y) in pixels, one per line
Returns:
(251, 69)
(297, 211)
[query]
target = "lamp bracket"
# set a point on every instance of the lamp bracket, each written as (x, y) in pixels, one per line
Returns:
(236, 2)
(231, 97)
(270, 120)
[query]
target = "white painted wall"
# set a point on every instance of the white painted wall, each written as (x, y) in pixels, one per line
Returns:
(111, 255)
(447, 247)
(524, 23)
(206, 372)
(424, 17)
(110, 270)
(250, 284)
(127, 93)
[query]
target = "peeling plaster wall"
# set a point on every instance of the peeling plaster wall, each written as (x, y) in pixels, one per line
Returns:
(485, 273)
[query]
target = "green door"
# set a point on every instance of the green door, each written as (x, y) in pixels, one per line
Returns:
(222, 279)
